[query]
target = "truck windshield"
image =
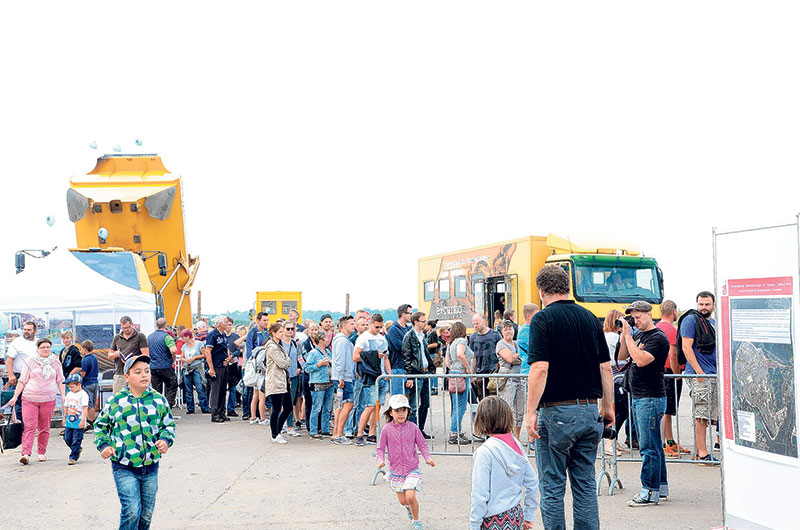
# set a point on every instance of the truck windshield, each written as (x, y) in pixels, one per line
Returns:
(119, 266)
(616, 283)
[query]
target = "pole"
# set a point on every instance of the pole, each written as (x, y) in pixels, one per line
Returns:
(347, 304)
(199, 312)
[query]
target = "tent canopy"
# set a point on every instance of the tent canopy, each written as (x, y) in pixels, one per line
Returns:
(61, 284)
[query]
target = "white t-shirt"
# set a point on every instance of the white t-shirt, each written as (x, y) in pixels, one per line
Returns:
(73, 405)
(367, 341)
(21, 349)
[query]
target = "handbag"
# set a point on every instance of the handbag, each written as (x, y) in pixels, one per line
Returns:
(456, 385)
(12, 435)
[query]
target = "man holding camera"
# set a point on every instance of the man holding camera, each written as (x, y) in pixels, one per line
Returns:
(649, 351)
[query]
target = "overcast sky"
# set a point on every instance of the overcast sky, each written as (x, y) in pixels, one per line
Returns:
(301, 128)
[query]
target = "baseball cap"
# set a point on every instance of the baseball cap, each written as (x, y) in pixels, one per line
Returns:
(638, 305)
(323, 317)
(74, 378)
(398, 401)
(133, 360)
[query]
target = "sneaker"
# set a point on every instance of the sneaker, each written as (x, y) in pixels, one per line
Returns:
(245, 417)
(349, 435)
(427, 436)
(641, 501)
(462, 439)
(42, 458)
(72, 462)
(682, 450)
(254, 421)
(280, 439)
(293, 432)
(263, 422)
(360, 442)
(343, 441)
(298, 425)
(453, 439)
(316, 436)
(671, 451)
(24, 460)
(372, 439)
(416, 525)
(478, 438)
(232, 414)
(707, 460)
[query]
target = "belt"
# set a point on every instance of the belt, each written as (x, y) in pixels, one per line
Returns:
(592, 401)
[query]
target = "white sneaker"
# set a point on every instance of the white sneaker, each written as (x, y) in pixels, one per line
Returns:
(253, 422)
(280, 439)
(293, 432)
(42, 458)
(263, 422)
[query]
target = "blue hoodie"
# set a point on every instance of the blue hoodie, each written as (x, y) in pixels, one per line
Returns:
(344, 368)
(498, 475)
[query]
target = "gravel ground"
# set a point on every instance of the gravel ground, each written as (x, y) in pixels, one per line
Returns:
(225, 475)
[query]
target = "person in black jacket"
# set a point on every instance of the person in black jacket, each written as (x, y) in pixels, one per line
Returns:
(417, 360)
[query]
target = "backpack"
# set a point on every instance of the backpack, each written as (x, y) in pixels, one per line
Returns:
(251, 371)
(705, 336)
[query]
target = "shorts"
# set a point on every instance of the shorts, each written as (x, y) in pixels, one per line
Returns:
(705, 405)
(669, 387)
(295, 388)
(369, 395)
(400, 483)
(91, 390)
(347, 392)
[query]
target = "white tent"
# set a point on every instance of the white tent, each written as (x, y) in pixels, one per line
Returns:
(63, 287)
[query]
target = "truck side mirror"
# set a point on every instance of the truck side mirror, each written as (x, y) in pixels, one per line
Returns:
(660, 280)
(19, 262)
(162, 265)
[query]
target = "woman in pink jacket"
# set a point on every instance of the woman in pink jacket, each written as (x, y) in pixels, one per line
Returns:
(41, 380)
(401, 439)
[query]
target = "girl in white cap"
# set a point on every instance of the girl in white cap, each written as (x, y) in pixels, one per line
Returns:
(401, 439)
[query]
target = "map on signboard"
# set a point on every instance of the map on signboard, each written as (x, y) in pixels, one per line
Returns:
(763, 395)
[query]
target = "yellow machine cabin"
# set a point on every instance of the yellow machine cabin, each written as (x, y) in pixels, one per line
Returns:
(278, 304)
(456, 285)
(133, 203)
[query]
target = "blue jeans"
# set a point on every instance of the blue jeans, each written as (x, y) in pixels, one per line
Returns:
(247, 399)
(137, 495)
(321, 401)
(73, 437)
(358, 407)
(647, 414)
(398, 385)
(569, 435)
(192, 381)
(295, 391)
(459, 406)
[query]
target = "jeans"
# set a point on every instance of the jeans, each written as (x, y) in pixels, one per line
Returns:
(569, 435)
(421, 390)
(137, 495)
(459, 406)
(322, 401)
(232, 394)
(648, 413)
(358, 407)
(194, 381)
(295, 391)
(36, 414)
(398, 385)
(73, 437)
(247, 399)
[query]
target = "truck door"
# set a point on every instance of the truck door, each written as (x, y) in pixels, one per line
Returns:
(478, 298)
(496, 289)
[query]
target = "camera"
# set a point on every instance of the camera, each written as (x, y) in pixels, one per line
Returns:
(609, 430)
(630, 320)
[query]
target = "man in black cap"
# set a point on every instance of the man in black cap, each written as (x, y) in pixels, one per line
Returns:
(649, 351)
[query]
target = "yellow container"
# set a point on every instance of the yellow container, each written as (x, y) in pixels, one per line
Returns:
(479, 280)
(139, 203)
(277, 304)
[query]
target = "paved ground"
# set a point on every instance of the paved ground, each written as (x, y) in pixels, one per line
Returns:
(221, 475)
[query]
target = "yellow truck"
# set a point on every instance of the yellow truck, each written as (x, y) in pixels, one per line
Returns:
(456, 285)
(128, 215)
(277, 304)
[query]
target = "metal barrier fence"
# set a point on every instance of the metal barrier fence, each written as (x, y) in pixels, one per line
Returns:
(478, 386)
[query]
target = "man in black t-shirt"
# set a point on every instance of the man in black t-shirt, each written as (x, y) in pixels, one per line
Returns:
(649, 352)
(570, 370)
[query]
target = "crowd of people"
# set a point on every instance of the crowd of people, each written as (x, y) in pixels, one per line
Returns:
(325, 378)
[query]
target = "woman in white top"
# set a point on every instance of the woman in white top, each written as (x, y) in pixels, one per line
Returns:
(461, 360)
(620, 398)
(512, 390)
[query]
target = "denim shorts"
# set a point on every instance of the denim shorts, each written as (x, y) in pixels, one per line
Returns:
(347, 392)
(369, 395)
(91, 390)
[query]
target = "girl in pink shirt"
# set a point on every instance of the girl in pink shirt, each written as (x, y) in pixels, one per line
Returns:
(41, 380)
(401, 439)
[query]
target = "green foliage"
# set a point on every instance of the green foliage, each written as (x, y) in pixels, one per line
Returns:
(243, 317)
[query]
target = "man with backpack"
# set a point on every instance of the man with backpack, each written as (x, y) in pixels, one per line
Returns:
(697, 337)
